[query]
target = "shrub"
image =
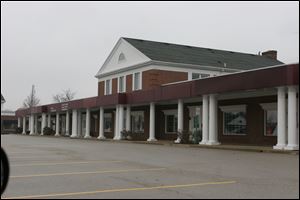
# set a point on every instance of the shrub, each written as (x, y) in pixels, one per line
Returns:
(196, 136)
(19, 130)
(48, 131)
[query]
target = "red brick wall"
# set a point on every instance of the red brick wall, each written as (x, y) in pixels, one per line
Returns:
(154, 78)
(101, 88)
(115, 86)
(129, 83)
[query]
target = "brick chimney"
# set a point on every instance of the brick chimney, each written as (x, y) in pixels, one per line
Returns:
(270, 54)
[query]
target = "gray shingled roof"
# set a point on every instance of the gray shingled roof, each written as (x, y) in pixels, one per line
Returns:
(200, 56)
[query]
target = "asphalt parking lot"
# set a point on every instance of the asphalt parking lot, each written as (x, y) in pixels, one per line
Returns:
(51, 167)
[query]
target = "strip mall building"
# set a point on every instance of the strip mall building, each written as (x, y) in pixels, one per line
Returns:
(155, 90)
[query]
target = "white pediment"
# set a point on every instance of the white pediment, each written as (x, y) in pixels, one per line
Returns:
(122, 56)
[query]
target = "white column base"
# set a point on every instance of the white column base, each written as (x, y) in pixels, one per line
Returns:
(73, 136)
(117, 138)
(57, 135)
(87, 137)
(292, 147)
(23, 133)
(152, 140)
(213, 143)
(101, 138)
(32, 134)
(279, 146)
(67, 135)
(203, 142)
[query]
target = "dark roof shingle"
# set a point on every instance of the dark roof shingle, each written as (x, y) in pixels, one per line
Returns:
(175, 53)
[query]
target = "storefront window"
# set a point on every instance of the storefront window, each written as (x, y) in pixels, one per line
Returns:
(271, 123)
(235, 123)
(171, 123)
(137, 122)
(107, 122)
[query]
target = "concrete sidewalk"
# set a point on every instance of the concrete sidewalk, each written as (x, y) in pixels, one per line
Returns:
(249, 148)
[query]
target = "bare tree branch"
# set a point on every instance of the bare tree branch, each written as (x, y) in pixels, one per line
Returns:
(66, 95)
(31, 100)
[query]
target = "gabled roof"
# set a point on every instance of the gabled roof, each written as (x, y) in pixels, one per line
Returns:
(175, 53)
(2, 99)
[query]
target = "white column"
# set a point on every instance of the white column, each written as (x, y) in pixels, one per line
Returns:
(31, 124)
(213, 120)
(87, 123)
(19, 122)
(292, 120)
(180, 115)
(128, 118)
(205, 120)
(79, 124)
(24, 125)
(116, 137)
(281, 118)
(36, 124)
(43, 123)
(49, 120)
(121, 121)
(67, 123)
(74, 124)
(152, 123)
(57, 125)
(101, 125)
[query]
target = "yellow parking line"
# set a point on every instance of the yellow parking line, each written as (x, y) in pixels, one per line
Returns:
(80, 173)
(122, 190)
(63, 163)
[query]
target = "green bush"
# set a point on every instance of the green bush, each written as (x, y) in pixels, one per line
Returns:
(19, 130)
(196, 136)
(48, 131)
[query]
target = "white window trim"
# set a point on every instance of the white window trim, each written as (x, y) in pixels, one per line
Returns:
(268, 107)
(110, 87)
(133, 81)
(235, 108)
(124, 84)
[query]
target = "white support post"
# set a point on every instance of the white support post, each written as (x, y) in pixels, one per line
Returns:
(152, 123)
(281, 119)
(67, 123)
(205, 120)
(24, 125)
(180, 119)
(43, 123)
(57, 125)
(128, 118)
(213, 120)
(121, 121)
(101, 124)
(79, 124)
(35, 124)
(87, 123)
(116, 137)
(19, 122)
(74, 124)
(31, 124)
(49, 121)
(292, 119)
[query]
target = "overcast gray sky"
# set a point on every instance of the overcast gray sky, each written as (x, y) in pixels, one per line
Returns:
(61, 45)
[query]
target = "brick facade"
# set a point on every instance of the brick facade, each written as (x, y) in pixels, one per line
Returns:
(154, 78)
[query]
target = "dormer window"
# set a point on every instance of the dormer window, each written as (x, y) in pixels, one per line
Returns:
(121, 58)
